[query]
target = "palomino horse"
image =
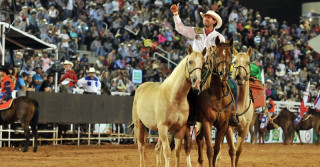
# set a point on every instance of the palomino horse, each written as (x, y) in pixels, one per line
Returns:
(26, 111)
(215, 103)
(164, 107)
(241, 72)
(308, 121)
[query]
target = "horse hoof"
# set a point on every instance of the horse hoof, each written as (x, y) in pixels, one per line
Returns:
(24, 150)
(34, 150)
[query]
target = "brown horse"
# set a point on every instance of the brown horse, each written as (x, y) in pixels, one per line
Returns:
(26, 111)
(241, 74)
(215, 103)
(285, 120)
(308, 121)
(164, 107)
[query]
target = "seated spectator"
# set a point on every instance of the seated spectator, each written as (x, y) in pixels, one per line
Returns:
(48, 85)
(21, 82)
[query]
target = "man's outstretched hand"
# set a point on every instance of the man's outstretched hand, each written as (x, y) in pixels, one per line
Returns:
(174, 8)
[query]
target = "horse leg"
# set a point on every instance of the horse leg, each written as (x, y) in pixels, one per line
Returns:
(232, 151)
(187, 146)
(158, 153)
(240, 140)
(140, 132)
(163, 136)
(207, 128)
(199, 140)
(316, 130)
(178, 140)
(219, 138)
(286, 136)
(35, 135)
(25, 127)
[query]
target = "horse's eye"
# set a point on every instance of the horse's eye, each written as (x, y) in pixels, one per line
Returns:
(190, 62)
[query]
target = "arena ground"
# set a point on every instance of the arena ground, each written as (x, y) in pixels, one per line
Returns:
(127, 156)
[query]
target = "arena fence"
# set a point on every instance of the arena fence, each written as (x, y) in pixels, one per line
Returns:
(101, 111)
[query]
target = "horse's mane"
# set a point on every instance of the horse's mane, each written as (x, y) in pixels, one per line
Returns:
(177, 71)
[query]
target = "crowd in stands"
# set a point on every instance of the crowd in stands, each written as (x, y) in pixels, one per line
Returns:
(119, 32)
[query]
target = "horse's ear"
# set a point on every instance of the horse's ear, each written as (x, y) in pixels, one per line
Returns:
(230, 42)
(189, 49)
(235, 52)
(204, 51)
(249, 52)
(217, 41)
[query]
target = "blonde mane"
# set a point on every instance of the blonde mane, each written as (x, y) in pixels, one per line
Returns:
(176, 71)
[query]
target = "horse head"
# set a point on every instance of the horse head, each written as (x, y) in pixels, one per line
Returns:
(241, 68)
(221, 57)
(194, 64)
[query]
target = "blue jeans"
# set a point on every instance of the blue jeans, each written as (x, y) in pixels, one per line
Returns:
(234, 91)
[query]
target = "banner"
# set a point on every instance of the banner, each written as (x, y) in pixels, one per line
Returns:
(137, 76)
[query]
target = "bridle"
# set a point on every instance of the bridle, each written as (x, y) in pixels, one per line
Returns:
(187, 66)
(247, 76)
(216, 65)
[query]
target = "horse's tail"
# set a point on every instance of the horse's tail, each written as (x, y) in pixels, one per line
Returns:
(34, 120)
(135, 119)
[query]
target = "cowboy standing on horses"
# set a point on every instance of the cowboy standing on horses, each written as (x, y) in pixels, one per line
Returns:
(203, 37)
(6, 85)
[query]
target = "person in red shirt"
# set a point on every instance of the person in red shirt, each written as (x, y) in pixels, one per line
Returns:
(69, 77)
(271, 106)
(6, 85)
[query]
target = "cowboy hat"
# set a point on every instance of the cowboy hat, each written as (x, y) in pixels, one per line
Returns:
(91, 70)
(19, 53)
(215, 16)
(67, 62)
(280, 93)
(269, 81)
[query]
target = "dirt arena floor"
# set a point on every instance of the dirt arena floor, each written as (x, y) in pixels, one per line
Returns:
(113, 155)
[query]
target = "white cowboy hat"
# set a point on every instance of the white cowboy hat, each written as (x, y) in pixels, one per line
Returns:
(41, 8)
(269, 81)
(215, 16)
(67, 62)
(91, 70)
(280, 93)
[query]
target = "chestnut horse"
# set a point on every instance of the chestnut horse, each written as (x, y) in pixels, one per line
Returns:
(241, 73)
(164, 107)
(308, 121)
(215, 103)
(26, 111)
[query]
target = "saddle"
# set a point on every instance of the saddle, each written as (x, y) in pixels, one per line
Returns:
(6, 105)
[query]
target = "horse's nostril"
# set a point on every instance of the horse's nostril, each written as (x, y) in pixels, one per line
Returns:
(238, 77)
(194, 80)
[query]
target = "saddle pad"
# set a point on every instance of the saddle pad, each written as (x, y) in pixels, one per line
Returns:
(6, 105)
(264, 122)
(258, 94)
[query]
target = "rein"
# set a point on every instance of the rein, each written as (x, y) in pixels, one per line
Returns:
(214, 107)
(246, 109)
(247, 74)
(187, 67)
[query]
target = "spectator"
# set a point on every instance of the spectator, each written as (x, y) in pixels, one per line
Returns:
(6, 85)
(69, 77)
(37, 78)
(90, 83)
(48, 85)
(21, 82)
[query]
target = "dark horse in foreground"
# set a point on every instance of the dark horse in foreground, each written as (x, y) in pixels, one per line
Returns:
(308, 121)
(26, 111)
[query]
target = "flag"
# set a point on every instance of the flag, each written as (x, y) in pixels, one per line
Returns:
(304, 108)
(317, 103)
